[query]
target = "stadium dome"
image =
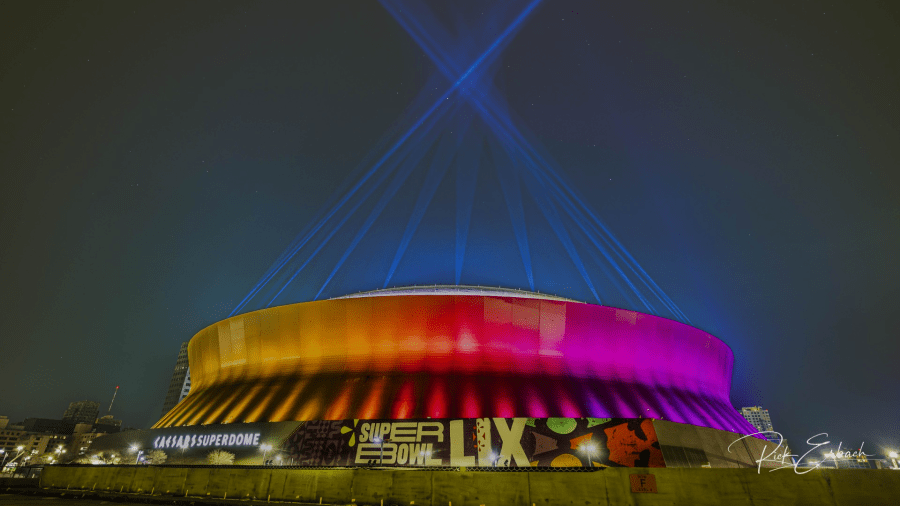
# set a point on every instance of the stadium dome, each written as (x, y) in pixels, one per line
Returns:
(455, 351)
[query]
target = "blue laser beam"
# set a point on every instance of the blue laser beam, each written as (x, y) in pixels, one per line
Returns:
(440, 59)
(436, 171)
(423, 98)
(484, 55)
(572, 212)
(440, 101)
(421, 120)
(527, 152)
(366, 162)
(552, 216)
(408, 166)
(509, 185)
(523, 162)
(300, 243)
(467, 162)
(620, 250)
(417, 150)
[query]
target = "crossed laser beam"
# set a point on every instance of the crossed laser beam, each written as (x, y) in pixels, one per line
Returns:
(504, 128)
(438, 103)
(555, 198)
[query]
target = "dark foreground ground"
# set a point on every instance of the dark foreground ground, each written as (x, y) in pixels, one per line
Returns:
(238, 486)
(40, 500)
(22, 497)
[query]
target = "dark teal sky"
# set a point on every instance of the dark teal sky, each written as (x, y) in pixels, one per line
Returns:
(157, 159)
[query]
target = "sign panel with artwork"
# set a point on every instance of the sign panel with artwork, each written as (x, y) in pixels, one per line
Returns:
(477, 442)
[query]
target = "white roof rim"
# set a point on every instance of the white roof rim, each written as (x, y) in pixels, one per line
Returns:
(455, 290)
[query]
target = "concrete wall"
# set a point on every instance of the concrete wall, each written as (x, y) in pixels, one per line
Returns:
(18, 483)
(685, 445)
(610, 486)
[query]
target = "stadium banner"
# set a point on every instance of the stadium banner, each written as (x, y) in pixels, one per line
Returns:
(449, 442)
(476, 442)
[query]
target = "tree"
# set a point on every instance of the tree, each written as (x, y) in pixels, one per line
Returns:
(43, 458)
(106, 458)
(157, 457)
(220, 458)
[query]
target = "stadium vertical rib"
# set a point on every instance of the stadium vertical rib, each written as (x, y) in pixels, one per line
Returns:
(455, 352)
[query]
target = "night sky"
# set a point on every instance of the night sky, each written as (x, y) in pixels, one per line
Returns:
(157, 158)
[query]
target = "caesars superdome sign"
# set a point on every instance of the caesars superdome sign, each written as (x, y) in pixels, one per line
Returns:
(194, 440)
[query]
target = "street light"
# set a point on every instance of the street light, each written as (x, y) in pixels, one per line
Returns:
(380, 441)
(135, 448)
(19, 452)
(425, 455)
(137, 459)
(590, 449)
(266, 449)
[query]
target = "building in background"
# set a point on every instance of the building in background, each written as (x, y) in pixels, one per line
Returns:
(9, 436)
(49, 425)
(46, 440)
(109, 420)
(759, 418)
(180, 384)
(82, 412)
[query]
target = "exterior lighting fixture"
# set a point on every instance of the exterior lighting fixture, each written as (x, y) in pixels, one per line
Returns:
(590, 449)
(377, 440)
(265, 449)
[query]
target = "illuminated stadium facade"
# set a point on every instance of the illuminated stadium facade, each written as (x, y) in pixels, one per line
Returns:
(456, 376)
